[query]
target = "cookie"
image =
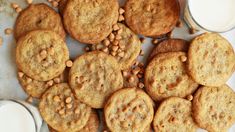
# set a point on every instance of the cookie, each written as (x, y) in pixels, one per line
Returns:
(38, 16)
(62, 111)
(169, 45)
(127, 108)
(152, 17)
(41, 55)
(94, 76)
(126, 49)
(91, 126)
(166, 76)
(211, 59)
(36, 88)
(90, 21)
(174, 114)
(214, 108)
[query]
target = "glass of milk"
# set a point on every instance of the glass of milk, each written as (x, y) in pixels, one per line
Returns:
(210, 15)
(17, 116)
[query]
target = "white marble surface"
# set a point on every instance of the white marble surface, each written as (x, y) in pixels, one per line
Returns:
(9, 86)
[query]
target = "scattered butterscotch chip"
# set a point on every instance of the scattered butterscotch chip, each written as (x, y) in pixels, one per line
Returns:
(190, 97)
(179, 24)
(18, 9)
(136, 70)
(111, 37)
(121, 18)
(20, 74)
(106, 42)
(43, 53)
(1, 40)
(14, 5)
(120, 31)
(8, 31)
(141, 85)
(106, 50)
(69, 106)
(131, 79)
(115, 42)
(50, 83)
(29, 99)
(29, 80)
(121, 11)
(183, 58)
(155, 41)
(118, 37)
(115, 27)
(55, 3)
(68, 100)
(29, 1)
(56, 99)
(61, 112)
(192, 31)
(69, 63)
(121, 54)
(125, 73)
(114, 48)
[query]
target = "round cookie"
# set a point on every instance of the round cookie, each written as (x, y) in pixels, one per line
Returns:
(174, 114)
(90, 21)
(92, 124)
(38, 16)
(94, 76)
(169, 45)
(129, 44)
(41, 55)
(127, 108)
(214, 108)
(152, 17)
(211, 59)
(36, 88)
(166, 76)
(62, 111)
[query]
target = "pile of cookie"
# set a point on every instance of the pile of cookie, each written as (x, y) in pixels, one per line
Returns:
(182, 88)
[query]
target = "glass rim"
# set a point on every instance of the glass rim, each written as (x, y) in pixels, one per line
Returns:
(189, 11)
(27, 109)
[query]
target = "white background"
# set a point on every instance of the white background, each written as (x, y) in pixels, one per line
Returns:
(9, 86)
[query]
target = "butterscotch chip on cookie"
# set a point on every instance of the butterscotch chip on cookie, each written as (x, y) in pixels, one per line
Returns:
(38, 16)
(174, 114)
(166, 76)
(41, 55)
(129, 109)
(170, 45)
(90, 21)
(152, 17)
(211, 59)
(62, 111)
(94, 76)
(214, 108)
(91, 126)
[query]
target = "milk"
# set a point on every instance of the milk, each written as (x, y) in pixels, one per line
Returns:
(212, 15)
(15, 118)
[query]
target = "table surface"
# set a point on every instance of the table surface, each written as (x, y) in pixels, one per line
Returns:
(10, 88)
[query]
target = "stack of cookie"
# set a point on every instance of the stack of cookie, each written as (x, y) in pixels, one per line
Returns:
(109, 78)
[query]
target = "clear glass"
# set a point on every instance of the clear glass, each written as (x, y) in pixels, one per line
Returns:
(192, 23)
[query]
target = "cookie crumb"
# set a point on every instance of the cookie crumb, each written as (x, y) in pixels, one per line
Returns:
(190, 97)
(8, 31)
(69, 63)
(29, 99)
(155, 41)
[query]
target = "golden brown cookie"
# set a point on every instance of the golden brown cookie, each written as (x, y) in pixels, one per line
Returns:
(129, 109)
(152, 17)
(62, 111)
(170, 45)
(214, 108)
(211, 59)
(91, 126)
(126, 49)
(41, 55)
(166, 76)
(38, 16)
(90, 21)
(174, 115)
(36, 88)
(94, 76)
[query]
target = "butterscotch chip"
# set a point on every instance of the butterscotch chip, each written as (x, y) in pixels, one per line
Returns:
(127, 108)
(8, 31)
(69, 63)
(92, 124)
(174, 114)
(38, 16)
(14, 5)
(36, 88)
(213, 108)
(211, 59)
(168, 74)
(102, 77)
(30, 62)
(1, 40)
(62, 120)
(129, 79)
(103, 14)
(149, 17)
(170, 45)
